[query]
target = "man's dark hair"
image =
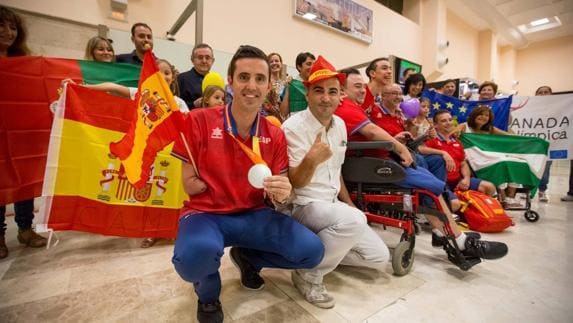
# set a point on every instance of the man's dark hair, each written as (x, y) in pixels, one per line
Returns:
(372, 66)
(414, 79)
(439, 113)
(349, 71)
(446, 82)
(139, 24)
(301, 58)
(407, 70)
(201, 45)
(247, 51)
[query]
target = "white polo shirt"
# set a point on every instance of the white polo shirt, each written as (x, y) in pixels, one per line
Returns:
(300, 131)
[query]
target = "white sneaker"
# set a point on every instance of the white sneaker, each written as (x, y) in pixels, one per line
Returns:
(315, 294)
(542, 197)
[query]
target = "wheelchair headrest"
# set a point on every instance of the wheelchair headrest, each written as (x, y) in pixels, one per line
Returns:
(372, 170)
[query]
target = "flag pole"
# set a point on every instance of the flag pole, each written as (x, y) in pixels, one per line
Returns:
(189, 153)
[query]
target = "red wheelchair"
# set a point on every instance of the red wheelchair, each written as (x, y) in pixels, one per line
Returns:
(370, 182)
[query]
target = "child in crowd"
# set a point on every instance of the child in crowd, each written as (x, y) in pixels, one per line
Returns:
(420, 125)
(213, 96)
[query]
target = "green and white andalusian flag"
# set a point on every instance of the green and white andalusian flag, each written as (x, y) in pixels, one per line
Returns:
(506, 159)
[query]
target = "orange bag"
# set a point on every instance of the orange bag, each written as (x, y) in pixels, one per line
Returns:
(482, 212)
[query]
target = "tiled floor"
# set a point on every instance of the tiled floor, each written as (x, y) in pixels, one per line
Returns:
(94, 278)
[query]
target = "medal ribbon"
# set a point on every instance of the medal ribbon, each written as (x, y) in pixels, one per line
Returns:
(231, 127)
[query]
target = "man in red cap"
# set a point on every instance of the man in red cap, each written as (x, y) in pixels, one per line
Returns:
(316, 140)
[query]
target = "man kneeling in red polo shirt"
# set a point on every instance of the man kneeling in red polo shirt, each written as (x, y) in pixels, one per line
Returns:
(227, 143)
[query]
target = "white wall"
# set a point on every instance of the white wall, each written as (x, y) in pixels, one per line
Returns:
(271, 26)
(545, 63)
(463, 50)
(267, 24)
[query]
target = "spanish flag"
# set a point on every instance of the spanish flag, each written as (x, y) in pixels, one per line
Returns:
(156, 124)
(29, 84)
(85, 187)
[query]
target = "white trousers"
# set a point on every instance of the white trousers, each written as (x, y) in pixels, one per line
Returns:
(347, 238)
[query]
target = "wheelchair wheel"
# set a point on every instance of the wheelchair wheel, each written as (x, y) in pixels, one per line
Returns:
(531, 216)
(402, 258)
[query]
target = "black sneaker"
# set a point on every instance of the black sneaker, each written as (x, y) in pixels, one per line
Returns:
(250, 278)
(484, 249)
(438, 242)
(210, 313)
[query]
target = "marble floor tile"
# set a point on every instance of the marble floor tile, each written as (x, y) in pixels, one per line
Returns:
(92, 278)
(177, 309)
(116, 269)
(97, 304)
(34, 287)
(286, 311)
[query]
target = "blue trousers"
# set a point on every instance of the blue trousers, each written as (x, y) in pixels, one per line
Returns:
(423, 179)
(267, 238)
(436, 165)
(24, 215)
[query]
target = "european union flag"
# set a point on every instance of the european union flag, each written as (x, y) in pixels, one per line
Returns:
(461, 109)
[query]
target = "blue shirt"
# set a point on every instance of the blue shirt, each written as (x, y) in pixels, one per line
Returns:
(130, 58)
(190, 86)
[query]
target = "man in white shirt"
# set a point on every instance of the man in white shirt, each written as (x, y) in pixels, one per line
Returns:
(316, 141)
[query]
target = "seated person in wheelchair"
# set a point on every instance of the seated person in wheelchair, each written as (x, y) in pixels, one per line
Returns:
(459, 176)
(316, 148)
(387, 115)
(360, 128)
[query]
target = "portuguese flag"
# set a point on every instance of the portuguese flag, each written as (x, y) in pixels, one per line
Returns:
(506, 159)
(86, 186)
(29, 85)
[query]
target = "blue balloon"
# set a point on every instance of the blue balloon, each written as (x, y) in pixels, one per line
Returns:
(410, 108)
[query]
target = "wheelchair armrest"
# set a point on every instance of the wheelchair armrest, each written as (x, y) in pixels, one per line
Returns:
(414, 144)
(361, 145)
(372, 170)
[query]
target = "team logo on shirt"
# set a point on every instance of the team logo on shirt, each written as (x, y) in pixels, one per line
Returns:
(217, 133)
(265, 140)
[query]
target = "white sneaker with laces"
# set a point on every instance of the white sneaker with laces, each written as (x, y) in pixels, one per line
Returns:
(316, 294)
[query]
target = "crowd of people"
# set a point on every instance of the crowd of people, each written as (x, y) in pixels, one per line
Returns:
(302, 218)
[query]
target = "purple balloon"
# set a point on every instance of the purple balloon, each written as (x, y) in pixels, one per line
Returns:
(410, 108)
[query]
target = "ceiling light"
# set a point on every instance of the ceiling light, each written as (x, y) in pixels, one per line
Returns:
(539, 22)
(309, 16)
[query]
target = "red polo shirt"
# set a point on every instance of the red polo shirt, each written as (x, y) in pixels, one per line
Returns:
(355, 119)
(223, 165)
(393, 124)
(455, 149)
(369, 101)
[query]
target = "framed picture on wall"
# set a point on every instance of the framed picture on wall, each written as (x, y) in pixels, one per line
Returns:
(345, 16)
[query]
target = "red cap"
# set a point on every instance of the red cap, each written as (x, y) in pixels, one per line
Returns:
(321, 70)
